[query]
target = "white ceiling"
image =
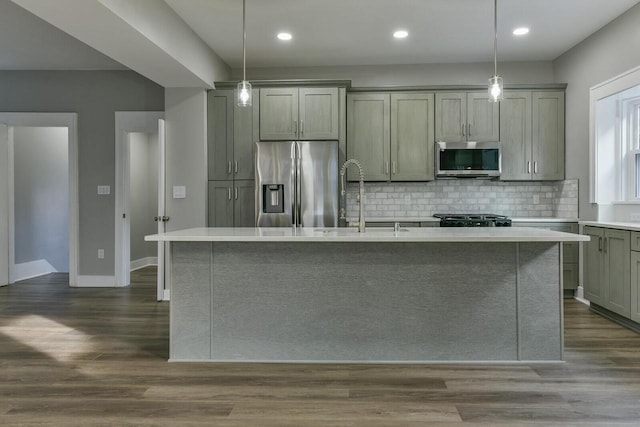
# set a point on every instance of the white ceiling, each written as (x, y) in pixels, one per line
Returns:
(358, 32)
(336, 32)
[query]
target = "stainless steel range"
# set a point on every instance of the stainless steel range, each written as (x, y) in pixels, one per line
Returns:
(473, 220)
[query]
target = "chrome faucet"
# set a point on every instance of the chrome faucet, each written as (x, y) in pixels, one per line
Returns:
(343, 169)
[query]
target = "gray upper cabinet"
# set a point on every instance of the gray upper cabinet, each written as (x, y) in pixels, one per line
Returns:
(392, 135)
(412, 137)
(466, 116)
(368, 134)
(515, 135)
(548, 135)
(299, 113)
(230, 136)
(532, 135)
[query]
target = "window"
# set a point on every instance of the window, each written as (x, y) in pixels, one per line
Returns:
(615, 140)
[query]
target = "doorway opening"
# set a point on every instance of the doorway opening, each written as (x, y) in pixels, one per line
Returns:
(39, 203)
(139, 195)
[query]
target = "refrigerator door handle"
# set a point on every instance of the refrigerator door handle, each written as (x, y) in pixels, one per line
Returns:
(294, 181)
(298, 186)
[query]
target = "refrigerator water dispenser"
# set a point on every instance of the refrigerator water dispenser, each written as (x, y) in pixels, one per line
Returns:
(273, 198)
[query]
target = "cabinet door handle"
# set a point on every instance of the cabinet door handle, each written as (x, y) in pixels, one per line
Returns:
(236, 167)
(394, 167)
(606, 239)
(386, 167)
(236, 193)
(463, 126)
(599, 244)
(295, 127)
(229, 193)
(469, 131)
(535, 167)
(229, 167)
(302, 127)
(528, 167)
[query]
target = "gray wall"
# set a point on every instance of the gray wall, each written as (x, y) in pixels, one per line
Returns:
(606, 54)
(413, 75)
(186, 145)
(94, 96)
(41, 201)
(144, 193)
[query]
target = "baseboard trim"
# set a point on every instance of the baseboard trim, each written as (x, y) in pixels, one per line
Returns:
(615, 317)
(28, 270)
(144, 262)
(95, 282)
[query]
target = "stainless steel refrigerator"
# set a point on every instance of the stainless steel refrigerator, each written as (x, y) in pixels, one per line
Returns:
(296, 183)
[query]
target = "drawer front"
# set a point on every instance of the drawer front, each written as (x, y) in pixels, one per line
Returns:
(635, 240)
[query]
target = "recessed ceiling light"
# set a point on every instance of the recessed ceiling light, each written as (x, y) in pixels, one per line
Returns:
(520, 31)
(400, 34)
(285, 36)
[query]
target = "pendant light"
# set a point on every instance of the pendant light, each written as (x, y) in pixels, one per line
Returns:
(496, 86)
(244, 87)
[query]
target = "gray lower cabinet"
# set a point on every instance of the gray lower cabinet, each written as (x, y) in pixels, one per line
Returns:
(570, 250)
(291, 113)
(635, 276)
(532, 135)
(230, 136)
(231, 203)
(607, 274)
(392, 135)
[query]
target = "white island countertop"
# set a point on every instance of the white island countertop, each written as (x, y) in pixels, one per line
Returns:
(373, 234)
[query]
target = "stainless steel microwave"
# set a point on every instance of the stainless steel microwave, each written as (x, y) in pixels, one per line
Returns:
(468, 159)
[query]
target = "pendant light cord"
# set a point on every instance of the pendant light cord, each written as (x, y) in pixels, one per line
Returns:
(495, 37)
(244, 41)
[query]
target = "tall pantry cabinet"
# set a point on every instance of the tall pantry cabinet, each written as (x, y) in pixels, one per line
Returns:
(230, 136)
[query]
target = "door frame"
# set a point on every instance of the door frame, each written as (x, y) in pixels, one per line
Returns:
(127, 122)
(70, 121)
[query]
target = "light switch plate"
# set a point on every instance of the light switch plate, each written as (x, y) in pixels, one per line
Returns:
(104, 189)
(179, 192)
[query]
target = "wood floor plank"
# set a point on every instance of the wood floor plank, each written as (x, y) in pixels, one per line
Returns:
(98, 357)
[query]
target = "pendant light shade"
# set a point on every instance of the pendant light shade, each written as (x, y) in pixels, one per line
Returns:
(496, 86)
(243, 92)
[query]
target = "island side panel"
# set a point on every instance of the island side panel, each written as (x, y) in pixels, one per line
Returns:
(364, 301)
(190, 310)
(540, 302)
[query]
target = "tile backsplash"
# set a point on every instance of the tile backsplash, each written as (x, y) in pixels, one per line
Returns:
(555, 199)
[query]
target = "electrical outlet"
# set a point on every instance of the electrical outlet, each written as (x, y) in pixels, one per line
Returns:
(536, 199)
(635, 217)
(100, 253)
(104, 190)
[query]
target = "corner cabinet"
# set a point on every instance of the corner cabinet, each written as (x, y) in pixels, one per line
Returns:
(607, 264)
(466, 116)
(299, 113)
(532, 135)
(392, 135)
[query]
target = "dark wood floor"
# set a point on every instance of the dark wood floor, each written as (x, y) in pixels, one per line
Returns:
(97, 357)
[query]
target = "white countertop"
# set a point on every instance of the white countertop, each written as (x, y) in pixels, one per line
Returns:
(632, 226)
(373, 234)
(432, 219)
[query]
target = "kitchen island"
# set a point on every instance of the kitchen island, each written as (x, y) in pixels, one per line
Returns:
(336, 295)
